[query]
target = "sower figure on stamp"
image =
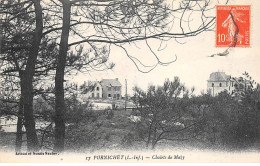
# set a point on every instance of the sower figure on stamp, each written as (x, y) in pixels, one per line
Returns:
(232, 26)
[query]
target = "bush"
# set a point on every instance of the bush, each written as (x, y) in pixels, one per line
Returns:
(128, 140)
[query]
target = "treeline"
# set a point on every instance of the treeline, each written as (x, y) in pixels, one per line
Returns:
(172, 113)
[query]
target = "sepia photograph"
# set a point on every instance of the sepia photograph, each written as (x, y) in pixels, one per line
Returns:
(129, 81)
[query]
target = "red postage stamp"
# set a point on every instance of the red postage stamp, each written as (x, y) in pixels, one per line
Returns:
(233, 26)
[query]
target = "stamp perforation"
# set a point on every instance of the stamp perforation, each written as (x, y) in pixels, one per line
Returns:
(233, 26)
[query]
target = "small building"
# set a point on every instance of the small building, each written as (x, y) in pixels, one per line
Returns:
(104, 89)
(219, 82)
(92, 90)
(96, 92)
(111, 88)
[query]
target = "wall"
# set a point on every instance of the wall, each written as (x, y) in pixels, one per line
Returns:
(225, 85)
(96, 93)
(113, 91)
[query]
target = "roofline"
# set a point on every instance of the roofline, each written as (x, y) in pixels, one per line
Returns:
(218, 80)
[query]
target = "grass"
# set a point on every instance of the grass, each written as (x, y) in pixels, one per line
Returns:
(108, 134)
(7, 141)
(103, 132)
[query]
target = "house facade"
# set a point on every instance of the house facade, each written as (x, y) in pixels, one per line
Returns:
(219, 82)
(96, 91)
(91, 90)
(111, 88)
(104, 89)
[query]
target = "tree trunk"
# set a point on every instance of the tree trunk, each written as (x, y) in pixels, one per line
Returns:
(27, 82)
(149, 135)
(32, 140)
(19, 128)
(59, 79)
(154, 144)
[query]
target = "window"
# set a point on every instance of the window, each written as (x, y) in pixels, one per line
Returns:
(109, 88)
(97, 95)
(114, 96)
(118, 95)
(212, 84)
(220, 85)
(93, 95)
(97, 88)
(109, 95)
(115, 88)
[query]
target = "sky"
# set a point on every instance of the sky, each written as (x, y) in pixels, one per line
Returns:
(193, 65)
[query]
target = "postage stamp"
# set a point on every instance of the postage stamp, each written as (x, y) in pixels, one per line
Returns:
(233, 26)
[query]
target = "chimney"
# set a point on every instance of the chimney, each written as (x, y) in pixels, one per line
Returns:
(117, 79)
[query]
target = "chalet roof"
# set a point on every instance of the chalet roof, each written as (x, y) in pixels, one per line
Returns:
(92, 83)
(110, 82)
(219, 76)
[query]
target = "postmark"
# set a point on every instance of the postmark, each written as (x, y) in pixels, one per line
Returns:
(233, 26)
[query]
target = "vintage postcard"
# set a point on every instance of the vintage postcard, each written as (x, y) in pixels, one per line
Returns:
(129, 81)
